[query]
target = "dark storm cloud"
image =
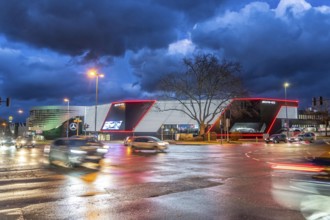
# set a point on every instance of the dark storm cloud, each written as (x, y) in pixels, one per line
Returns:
(150, 66)
(47, 46)
(274, 48)
(194, 10)
(37, 78)
(97, 27)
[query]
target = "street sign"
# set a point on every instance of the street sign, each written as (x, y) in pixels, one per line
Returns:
(77, 120)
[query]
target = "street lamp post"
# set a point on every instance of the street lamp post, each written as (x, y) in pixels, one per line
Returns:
(94, 73)
(286, 85)
(67, 127)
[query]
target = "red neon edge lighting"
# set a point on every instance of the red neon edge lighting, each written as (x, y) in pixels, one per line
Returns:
(266, 99)
(247, 99)
(129, 101)
(274, 119)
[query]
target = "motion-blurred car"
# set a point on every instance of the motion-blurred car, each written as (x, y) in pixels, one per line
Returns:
(128, 140)
(323, 159)
(276, 138)
(7, 141)
(25, 142)
(308, 136)
(91, 139)
(148, 143)
(76, 151)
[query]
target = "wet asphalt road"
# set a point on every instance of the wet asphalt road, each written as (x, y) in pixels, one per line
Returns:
(187, 182)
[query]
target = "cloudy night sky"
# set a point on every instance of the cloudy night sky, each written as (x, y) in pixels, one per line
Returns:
(46, 47)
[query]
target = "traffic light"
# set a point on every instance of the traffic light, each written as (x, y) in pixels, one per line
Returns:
(8, 102)
(314, 101)
(321, 100)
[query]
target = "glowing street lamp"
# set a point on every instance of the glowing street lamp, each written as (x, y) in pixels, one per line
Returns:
(286, 85)
(93, 73)
(4, 128)
(67, 127)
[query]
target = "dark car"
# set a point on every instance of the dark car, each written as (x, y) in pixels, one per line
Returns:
(76, 151)
(25, 142)
(148, 143)
(276, 138)
(7, 141)
(323, 159)
(308, 136)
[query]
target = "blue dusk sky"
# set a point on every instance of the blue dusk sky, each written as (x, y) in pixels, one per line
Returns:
(46, 47)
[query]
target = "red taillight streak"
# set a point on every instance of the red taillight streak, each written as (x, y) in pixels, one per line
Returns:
(298, 167)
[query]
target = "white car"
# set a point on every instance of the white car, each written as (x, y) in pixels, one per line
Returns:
(148, 143)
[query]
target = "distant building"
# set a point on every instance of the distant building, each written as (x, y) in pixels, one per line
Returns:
(311, 120)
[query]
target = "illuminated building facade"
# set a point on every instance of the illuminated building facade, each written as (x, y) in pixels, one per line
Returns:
(44, 118)
(252, 117)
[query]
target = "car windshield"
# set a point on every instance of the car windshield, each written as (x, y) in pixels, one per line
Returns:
(274, 135)
(155, 139)
(77, 143)
(83, 142)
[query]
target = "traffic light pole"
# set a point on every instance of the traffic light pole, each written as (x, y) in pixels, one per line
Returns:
(7, 101)
(323, 107)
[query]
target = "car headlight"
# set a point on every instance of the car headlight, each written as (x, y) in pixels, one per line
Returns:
(106, 146)
(102, 150)
(78, 151)
(46, 149)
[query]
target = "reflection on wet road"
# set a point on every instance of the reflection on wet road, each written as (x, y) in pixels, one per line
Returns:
(187, 182)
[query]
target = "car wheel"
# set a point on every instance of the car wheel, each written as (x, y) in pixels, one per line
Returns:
(50, 159)
(156, 148)
(68, 163)
(275, 141)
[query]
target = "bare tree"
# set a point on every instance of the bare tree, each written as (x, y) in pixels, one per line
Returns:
(203, 88)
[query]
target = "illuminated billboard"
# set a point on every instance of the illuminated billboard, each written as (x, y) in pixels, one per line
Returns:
(124, 116)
